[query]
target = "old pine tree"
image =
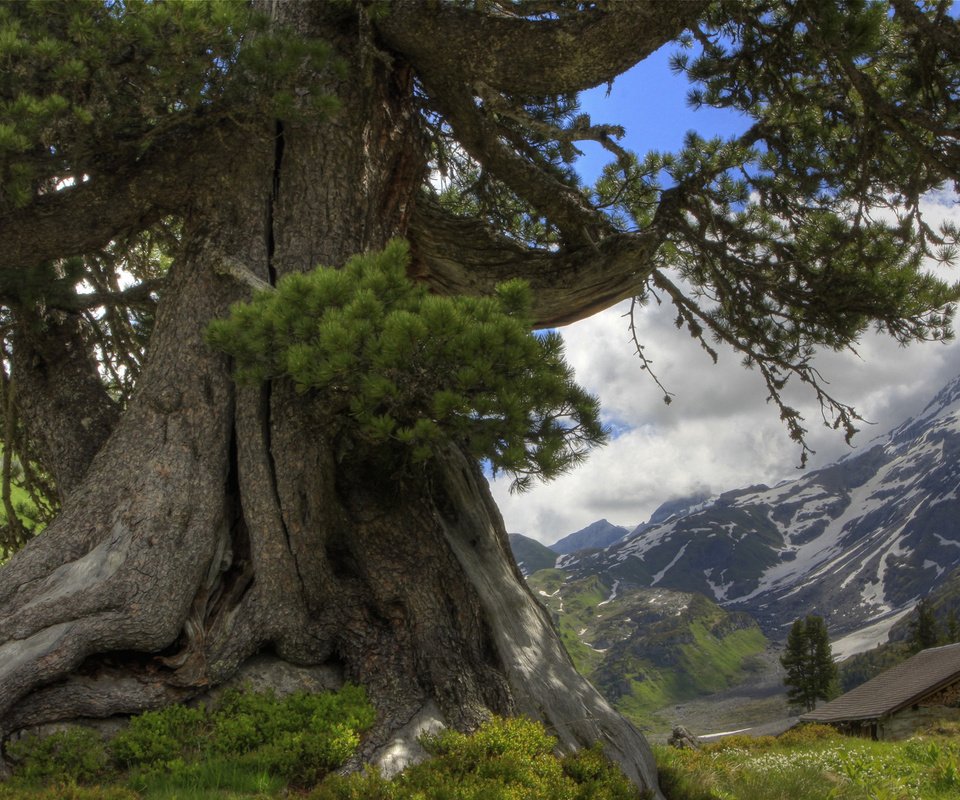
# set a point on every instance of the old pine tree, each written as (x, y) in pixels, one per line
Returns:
(160, 161)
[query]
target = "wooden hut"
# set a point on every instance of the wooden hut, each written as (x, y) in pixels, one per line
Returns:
(922, 690)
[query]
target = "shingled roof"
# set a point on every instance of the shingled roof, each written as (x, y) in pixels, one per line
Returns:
(900, 686)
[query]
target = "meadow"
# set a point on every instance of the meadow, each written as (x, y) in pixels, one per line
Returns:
(258, 747)
(813, 762)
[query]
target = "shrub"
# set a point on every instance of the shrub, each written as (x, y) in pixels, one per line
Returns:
(65, 791)
(402, 372)
(159, 736)
(300, 737)
(77, 755)
(808, 733)
(506, 759)
(250, 743)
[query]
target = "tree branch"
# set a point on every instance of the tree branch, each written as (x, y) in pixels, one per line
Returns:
(85, 217)
(507, 52)
(458, 255)
(562, 205)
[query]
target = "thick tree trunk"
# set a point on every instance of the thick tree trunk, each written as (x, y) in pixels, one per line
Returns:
(217, 523)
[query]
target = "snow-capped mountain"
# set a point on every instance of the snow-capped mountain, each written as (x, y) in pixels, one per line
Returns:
(856, 542)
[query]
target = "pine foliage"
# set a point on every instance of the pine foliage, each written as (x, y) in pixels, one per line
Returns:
(397, 366)
(86, 84)
(924, 630)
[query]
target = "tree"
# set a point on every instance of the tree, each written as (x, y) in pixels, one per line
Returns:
(953, 627)
(205, 150)
(811, 672)
(924, 629)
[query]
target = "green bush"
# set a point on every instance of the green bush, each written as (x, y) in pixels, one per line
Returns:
(158, 736)
(402, 372)
(300, 737)
(65, 791)
(506, 759)
(76, 755)
(249, 743)
(808, 733)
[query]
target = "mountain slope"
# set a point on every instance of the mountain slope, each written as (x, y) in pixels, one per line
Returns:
(649, 648)
(530, 555)
(855, 541)
(596, 535)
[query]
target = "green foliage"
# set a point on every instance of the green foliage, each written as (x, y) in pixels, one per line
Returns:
(159, 736)
(66, 791)
(811, 673)
(404, 372)
(86, 84)
(506, 759)
(299, 738)
(250, 743)
(77, 755)
(808, 734)
(924, 629)
(806, 229)
(812, 762)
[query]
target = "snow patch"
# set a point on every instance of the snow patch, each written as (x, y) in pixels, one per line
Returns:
(613, 593)
(659, 576)
(867, 638)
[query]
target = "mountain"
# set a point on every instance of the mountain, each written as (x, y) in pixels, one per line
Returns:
(857, 541)
(530, 555)
(646, 649)
(596, 535)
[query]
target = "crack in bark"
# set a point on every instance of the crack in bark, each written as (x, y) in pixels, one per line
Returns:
(278, 146)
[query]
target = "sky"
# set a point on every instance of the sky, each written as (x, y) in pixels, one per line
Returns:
(719, 433)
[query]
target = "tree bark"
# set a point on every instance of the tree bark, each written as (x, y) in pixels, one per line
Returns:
(219, 522)
(55, 375)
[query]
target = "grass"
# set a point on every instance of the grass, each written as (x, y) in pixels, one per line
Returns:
(509, 759)
(258, 747)
(814, 763)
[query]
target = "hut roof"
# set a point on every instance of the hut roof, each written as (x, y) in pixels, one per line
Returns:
(900, 686)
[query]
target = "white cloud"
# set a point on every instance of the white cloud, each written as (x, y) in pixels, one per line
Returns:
(719, 432)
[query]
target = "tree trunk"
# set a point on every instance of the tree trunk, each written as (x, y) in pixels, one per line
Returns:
(217, 522)
(54, 373)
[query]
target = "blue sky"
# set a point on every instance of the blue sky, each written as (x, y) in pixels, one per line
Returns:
(650, 101)
(719, 433)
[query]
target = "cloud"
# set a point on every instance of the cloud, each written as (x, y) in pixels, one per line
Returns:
(719, 433)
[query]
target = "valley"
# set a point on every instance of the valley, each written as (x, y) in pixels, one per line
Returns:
(679, 620)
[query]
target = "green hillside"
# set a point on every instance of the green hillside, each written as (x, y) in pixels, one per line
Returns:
(530, 555)
(649, 648)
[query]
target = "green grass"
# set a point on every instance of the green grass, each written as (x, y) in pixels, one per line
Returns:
(191, 754)
(813, 763)
(249, 745)
(717, 661)
(244, 751)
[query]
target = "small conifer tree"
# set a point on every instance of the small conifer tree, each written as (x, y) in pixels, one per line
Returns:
(953, 626)
(924, 630)
(811, 673)
(403, 372)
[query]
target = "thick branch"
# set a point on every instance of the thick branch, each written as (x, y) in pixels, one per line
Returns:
(507, 53)
(564, 206)
(457, 255)
(85, 217)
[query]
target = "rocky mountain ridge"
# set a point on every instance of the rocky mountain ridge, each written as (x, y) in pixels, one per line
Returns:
(857, 542)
